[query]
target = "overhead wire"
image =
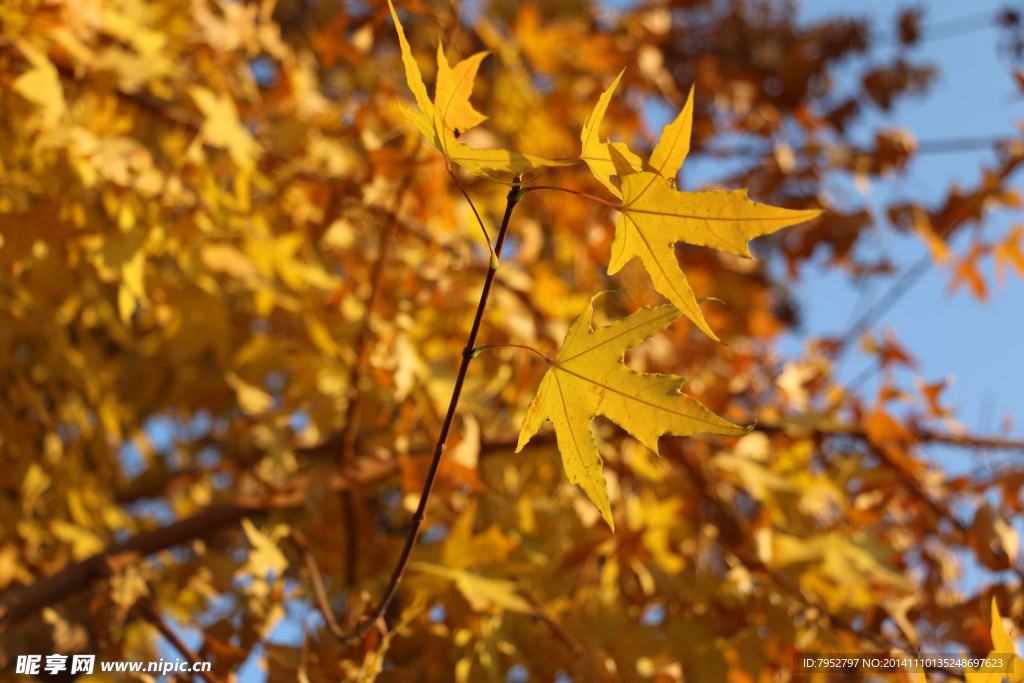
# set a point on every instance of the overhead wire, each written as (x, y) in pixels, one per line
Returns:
(933, 146)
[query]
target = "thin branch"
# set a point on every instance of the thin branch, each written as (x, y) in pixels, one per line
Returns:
(18, 603)
(301, 544)
(428, 239)
(895, 292)
(924, 147)
(362, 345)
(467, 357)
(738, 525)
(912, 275)
(840, 623)
(965, 441)
(575, 646)
(146, 611)
(911, 481)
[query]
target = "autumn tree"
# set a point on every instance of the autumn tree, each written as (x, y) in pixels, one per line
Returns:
(246, 250)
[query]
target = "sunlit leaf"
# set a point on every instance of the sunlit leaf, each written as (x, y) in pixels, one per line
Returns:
(654, 216)
(222, 127)
(595, 152)
(435, 121)
(454, 86)
(265, 557)
(589, 378)
(1002, 648)
(482, 593)
(41, 85)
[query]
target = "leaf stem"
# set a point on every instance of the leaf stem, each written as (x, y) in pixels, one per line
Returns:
(428, 485)
(514, 346)
(476, 213)
(531, 188)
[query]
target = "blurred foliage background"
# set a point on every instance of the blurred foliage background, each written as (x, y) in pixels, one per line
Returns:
(234, 290)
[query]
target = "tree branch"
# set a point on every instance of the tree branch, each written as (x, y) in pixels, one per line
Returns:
(18, 603)
(467, 357)
(146, 611)
(351, 429)
(947, 438)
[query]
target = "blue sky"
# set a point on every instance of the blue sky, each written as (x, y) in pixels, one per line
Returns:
(952, 335)
(977, 345)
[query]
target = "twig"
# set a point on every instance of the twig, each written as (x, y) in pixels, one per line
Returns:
(146, 611)
(840, 623)
(467, 357)
(18, 603)
(577, 648)
(362, 345)
(912, 482)
(301, 544)
(912, 275)
(970, 441)
(932, 146)
(484, 347)
(965, 441)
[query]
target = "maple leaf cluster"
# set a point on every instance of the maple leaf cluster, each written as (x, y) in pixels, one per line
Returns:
(586, 379)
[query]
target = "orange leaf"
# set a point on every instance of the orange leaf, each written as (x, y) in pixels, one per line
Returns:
(1009, 253)
(966, 272)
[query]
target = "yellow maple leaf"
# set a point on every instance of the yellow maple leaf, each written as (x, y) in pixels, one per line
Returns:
(437, 121)
(589, 378)
(222, 127)
(1009, 253)
(481, 592)
(465, 549)
(265, 557)
(594, 152)
(666, 159)
(668, 155)
(452, 91)
(41, 86)
(654, 216)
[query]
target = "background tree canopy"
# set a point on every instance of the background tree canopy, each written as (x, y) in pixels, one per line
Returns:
(235, 288)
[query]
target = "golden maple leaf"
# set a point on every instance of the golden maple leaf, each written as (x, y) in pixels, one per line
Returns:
(594, 152)
(41, 86)
(452, 91)
(654, 215)
(223, 128)
(588, 378)
(438, 120)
